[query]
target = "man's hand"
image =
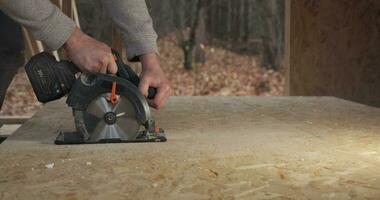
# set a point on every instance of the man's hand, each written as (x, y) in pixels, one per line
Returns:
(153, 76)
(89, 54)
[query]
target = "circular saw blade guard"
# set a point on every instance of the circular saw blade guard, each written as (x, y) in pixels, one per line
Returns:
(98, 120)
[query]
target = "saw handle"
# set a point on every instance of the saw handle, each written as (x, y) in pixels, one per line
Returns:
(126, 72)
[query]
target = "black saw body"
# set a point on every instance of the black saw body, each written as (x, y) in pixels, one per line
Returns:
(96, 119)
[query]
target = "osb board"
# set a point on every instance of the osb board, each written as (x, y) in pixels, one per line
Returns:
(334, 49)
(217, 148)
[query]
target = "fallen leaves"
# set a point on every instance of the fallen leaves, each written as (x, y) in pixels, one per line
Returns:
(224, 73)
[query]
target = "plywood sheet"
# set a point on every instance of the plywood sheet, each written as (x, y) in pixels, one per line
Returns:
(218, 148)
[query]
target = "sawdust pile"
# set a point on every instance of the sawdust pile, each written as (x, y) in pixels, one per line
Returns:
(223, 73)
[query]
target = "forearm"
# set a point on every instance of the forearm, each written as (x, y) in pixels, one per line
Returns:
(135, 24)
(44, 20)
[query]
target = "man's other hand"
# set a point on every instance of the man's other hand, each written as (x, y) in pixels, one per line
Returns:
(153, 76)
(89, 54)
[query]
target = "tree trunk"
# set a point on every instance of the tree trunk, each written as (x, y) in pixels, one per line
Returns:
(187, 38)
(273, 39)
(201, 35)
(187, 58)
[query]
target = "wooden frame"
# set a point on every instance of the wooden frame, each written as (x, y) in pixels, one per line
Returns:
(287, 47)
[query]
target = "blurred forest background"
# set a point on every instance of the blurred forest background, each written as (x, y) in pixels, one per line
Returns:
(207, 47)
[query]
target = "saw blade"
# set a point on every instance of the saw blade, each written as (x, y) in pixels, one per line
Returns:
(104, 120)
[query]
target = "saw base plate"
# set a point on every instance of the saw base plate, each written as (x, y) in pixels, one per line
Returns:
(67, 138)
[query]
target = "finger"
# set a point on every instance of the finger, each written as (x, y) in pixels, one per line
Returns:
(103, 67)
(103, 70)
(144, 86)
(161, 103)
(150, 102)
(112, 67)
(161, 96)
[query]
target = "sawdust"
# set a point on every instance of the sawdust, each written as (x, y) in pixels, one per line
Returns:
(49, 166)
(166, 178)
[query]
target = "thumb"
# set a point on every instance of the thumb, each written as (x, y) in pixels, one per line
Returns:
(144, 86)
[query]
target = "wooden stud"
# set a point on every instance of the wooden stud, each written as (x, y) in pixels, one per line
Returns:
(287, 47)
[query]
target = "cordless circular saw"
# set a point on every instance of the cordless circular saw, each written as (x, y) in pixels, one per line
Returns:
(106, 108)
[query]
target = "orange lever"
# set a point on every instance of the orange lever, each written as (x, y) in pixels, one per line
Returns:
(113, 93)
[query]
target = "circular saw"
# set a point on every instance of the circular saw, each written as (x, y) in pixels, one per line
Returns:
(106, 108)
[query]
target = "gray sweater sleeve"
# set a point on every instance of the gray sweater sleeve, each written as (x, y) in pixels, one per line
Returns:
(43, 19)
(135, 24)
(48, 24)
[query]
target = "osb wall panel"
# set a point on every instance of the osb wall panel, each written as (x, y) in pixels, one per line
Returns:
(335, 49)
